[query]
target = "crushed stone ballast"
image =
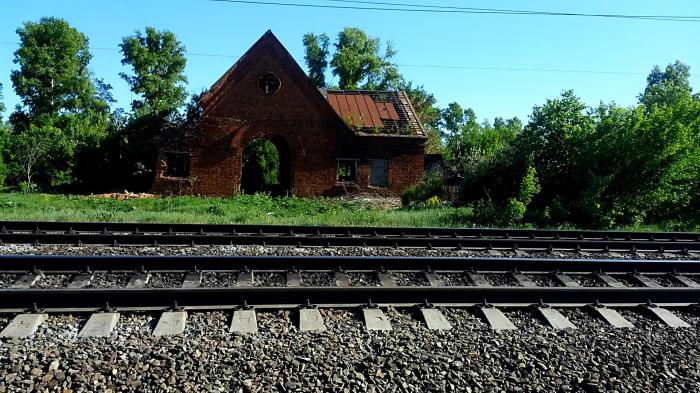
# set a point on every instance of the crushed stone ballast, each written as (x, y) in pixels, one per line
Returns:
(25, 232)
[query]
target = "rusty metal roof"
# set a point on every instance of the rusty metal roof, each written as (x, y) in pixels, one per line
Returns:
(375, 112)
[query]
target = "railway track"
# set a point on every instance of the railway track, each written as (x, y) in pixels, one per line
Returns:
(36, 285)
(230, 282)
(126, 234)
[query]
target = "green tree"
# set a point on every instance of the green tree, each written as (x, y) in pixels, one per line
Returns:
(158, 62)
(4, 138)
(2, 104)
(53, 77)
(29, 149)
(666, 87)
(556, 140)
(260, 166)
(316, 56)
(434, 144)
(530, 186)
(482, 154)
(359, 64)
(57, 93)
(645, 161)
(453, 119)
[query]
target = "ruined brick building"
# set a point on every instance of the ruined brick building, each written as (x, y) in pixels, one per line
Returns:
(329, 141)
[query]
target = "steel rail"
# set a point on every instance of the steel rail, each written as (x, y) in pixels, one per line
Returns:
(143, 239)
(54, 263)
(97, 227)
(343, 296)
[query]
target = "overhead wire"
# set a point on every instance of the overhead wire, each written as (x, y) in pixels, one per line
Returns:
(401, 7)
(456, 67)
(517, 12)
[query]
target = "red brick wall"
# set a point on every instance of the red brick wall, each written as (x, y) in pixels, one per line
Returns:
(296, 118)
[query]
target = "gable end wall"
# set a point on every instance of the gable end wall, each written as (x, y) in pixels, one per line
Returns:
(298, 119)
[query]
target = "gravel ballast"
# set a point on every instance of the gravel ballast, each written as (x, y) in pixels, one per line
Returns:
(410, 279)
(52, 281)
(456, 279)
(270, 279)
(91, 250)
(317, 279)
(588, 280)
(364, 279)
(110, 280)
(665, 281)
(346, 357)
(165, 280)
(501, 279)
(545, 280)
(6, 280)
(218, 280)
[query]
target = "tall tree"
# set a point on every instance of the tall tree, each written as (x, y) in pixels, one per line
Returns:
(4, 131)
(57, 93)
(316, 56)
(452, 119)
(481, 153)
(359, 63)
(53, 77)
(556, 140)
(29, 150)
(158, 63)
(2, 104)
(668, 86)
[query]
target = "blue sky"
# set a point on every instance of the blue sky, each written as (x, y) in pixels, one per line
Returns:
(491, 41)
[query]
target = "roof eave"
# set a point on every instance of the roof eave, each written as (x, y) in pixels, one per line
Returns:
(367, 134)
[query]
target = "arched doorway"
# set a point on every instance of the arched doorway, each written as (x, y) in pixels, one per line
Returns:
(266, 167)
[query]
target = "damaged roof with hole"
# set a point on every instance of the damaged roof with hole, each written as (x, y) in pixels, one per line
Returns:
(375, 112)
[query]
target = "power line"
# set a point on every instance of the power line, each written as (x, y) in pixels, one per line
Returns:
(401, 7)
(521, 69)
(449, 67)
(519, 12)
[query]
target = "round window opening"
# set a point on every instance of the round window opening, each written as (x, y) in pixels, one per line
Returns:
(269, 83)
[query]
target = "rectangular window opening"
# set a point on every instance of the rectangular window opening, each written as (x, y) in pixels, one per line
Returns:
(379, 173)
(177, 164)
(347, 170)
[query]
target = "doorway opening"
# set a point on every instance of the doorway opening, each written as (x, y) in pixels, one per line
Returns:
(266, 167)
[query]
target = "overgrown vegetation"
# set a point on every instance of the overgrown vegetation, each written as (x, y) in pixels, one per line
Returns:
(360, 61)
(600, 167)
(425, 193)
(258, 208)
(243, 209)
(64, 135)
(568, 165)
(261, 166)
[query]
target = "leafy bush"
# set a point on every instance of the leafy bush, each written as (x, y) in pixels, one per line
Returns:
(27, 188)
(514, 212)
(486, 213)
(427, 188)
(489, 213)
(215, 209)
(529, 187)
(459, 216)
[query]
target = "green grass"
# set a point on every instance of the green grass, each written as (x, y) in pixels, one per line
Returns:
(241, 209)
